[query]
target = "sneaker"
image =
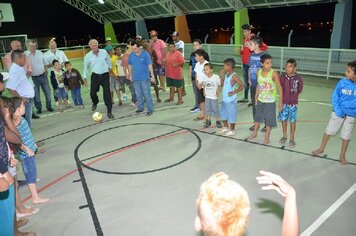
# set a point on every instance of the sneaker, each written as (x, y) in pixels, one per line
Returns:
(159, 100)
(193, 109)
(223, 131)
(132, 105)
(110, 116)
(230, 133)
(124, 97)
(39, 111)
(34, 116)
(50, 109)
(138, 111)
(218, 124)
(93, 107)
(207, 124)
(149, 113)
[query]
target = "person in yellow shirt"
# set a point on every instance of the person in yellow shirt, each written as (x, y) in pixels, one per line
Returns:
(114, 75)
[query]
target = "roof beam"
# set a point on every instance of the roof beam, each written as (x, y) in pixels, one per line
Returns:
(235, 4)
(126, 9)
(87, 10)
(170, 7)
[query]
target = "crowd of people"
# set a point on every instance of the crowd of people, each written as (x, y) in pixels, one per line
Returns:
(147, 63)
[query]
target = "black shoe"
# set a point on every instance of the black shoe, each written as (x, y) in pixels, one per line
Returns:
(149, 113)
(39, 111)
(250, 104)
(50, 109)
(218, 124)
(207, 124)
(34, 116)
(93, 107)
(110, 116)
(138, 111)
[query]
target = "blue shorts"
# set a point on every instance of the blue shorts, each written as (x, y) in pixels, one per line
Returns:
(289, 112)
(7, 210)
(29, 169)
(159, 70)
(229, 111)
(61, 93)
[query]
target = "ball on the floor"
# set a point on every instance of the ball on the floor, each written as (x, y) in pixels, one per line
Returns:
(98, 117)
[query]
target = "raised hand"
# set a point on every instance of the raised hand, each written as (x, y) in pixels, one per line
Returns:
(274, 182)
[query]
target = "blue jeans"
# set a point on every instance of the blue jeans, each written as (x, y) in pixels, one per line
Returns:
(245, 74)
(143, 94)
(195, 90)
(28, 111)
(77, 97)
(41, 82)
(7, 212)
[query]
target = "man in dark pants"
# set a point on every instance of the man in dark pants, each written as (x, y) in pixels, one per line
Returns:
(98, 61)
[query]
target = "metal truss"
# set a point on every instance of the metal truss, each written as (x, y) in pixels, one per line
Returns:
(87, 10)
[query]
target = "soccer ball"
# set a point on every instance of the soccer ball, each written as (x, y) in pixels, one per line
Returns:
(98, 117)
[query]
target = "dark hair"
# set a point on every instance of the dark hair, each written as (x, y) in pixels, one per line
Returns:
(136, 42)
(8, 104)
(352, 65)
(171, 43)
(257, 40)
(265, 57)
(117, 47)
(54, 62)
(197, 40)
(209, 65)
(16, 54)
(200, 52)
(129, 41)
(246, 27)
(292, 61)
(230, 62)
(1, 78)
(16, 103)
(66, 63)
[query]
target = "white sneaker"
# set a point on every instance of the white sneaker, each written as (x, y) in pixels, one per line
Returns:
(133, 105)
(223, 131)
(230, 133)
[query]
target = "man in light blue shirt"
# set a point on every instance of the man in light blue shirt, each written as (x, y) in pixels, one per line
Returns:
(141, 74)
(99, 62)
(18, 84)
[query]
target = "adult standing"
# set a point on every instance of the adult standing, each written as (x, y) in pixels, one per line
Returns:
(125, 66)
(245, 57)
(16, 45)
(99, 63)
(160, 47)
(141, 74)
(18, 83)
(54, 54)
(39, 75)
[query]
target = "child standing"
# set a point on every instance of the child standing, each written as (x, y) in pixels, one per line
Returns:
(74, 80)
(58, 85)
(211, 85)
(28, 161)
(344, 112)
(199, 77)
(292, 85)
(229, 93)
(114, 75)
(254, 65)
(266, 94)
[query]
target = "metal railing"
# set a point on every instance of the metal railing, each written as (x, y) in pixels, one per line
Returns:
(329, 63)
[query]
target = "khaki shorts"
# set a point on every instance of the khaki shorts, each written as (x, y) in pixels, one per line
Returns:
(335, 124)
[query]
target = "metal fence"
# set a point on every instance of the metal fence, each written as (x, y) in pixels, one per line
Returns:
(312, 61)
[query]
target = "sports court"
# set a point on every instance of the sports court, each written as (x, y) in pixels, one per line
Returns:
(138, 175)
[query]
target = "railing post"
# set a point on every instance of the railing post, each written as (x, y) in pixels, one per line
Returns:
(206, 39)
(232, 39)
(209, 50)
(282, 61)
(329, 64)
(290, 37)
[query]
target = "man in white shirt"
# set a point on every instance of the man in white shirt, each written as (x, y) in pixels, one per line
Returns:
(99, 63)
(18, 84)
(54, 54)
(39, 75)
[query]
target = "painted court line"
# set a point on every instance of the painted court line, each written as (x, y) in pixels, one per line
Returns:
(310, 230)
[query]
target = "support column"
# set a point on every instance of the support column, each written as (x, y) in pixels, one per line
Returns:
(181, 26)
(110, 32)
(141, 29)
(341, 35)
(240, 18)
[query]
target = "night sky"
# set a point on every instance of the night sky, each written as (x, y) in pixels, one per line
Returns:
(38, 18)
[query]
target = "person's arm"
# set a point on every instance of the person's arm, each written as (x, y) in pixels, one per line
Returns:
(280, 90)
(108, 61)
(257, 94)
(85, 67)
(240, 84)
(300, 85)
(12, 135)
(13, 92)
(150, 68)
(290, 225)
(7, 60)
(335, 100)
(28, 67)
(80, 78)
(130, 72)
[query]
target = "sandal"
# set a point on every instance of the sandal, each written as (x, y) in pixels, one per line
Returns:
(283, 140)
(292, 144)
(168, 100)
(180, 103)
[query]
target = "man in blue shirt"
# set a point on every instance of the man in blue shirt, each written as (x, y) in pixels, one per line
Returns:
(99, 62)
(141, 74)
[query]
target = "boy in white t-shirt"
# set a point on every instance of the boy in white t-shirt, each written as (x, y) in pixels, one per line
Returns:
(200, 75)
(211, 84)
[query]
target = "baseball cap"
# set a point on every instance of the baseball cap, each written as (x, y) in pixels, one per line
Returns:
(108, 48)
(175, 33)
(246, 27)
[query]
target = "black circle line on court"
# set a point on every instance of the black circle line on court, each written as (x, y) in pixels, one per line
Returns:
(199, 145)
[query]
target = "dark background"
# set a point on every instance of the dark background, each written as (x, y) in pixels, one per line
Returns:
(55, 18)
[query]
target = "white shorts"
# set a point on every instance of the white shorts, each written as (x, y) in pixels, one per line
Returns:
(335, 124)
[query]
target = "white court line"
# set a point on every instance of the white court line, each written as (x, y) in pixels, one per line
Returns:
(329, 211)
(319, 103)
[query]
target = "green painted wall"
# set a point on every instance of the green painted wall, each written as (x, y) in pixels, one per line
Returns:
(240, 18)
(109, 32)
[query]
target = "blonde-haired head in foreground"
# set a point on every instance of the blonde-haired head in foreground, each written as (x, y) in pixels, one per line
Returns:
(223, 207)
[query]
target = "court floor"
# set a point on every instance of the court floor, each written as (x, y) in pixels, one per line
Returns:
(138, 175)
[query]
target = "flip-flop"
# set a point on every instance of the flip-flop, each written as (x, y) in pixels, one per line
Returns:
(199, 118)
(282, 140)
(43, 201)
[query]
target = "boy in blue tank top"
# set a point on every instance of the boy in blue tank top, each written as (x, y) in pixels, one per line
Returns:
(232, 85)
